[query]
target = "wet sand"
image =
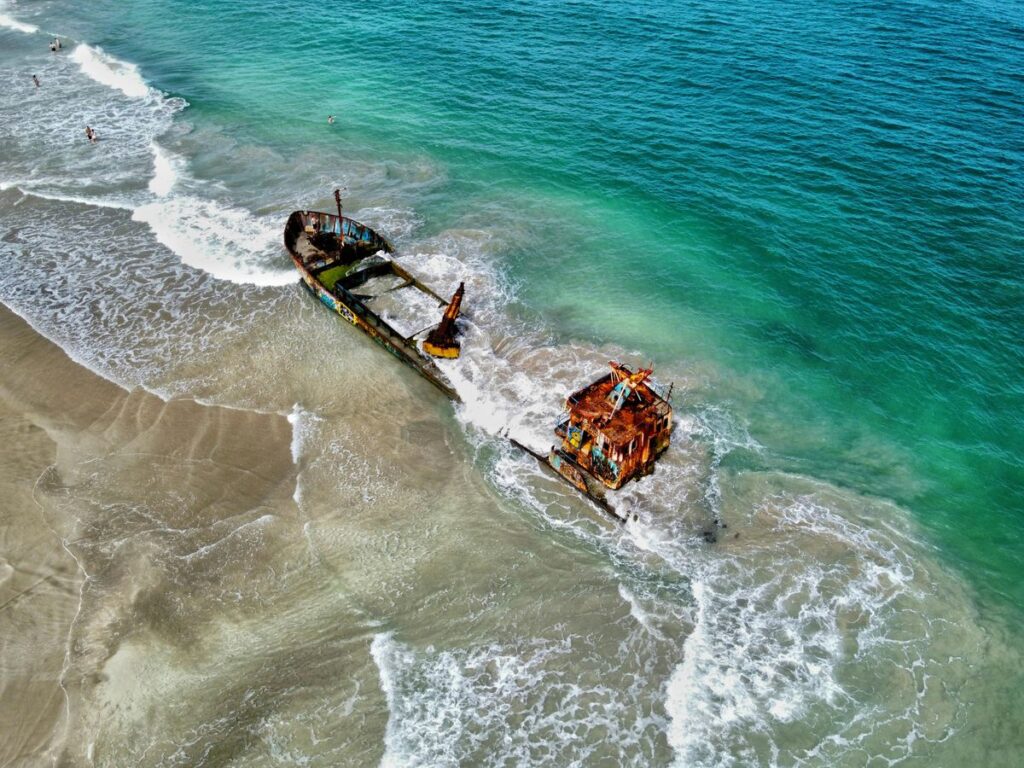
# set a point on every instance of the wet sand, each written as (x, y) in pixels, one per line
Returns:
(65, 434)
(39, 581)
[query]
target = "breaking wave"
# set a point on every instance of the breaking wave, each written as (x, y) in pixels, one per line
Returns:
(799, 621)
(795, 625)
(112, 72)
(12, 23)
(17, 26)
(226, 242)
(216, 237)
(165, 170)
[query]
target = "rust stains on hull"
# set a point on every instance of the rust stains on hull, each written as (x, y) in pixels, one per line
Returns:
(613, 429)
(337, 258)
(443, 341)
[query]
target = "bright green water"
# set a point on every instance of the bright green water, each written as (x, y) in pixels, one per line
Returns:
(807, 214)
(818, 208)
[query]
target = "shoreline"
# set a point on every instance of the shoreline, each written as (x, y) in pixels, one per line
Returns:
(60, 418)
(339, 573)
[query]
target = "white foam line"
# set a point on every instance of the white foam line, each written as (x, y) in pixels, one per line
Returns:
(226, 242)
(381, 649)
(637, 612)
(111, 71)
(95, 202)
(296, 445)
(299, 419)
(218, 239)
(681, 701)
(12, 23)
(17, 26)
(165, 171)
(202, 551)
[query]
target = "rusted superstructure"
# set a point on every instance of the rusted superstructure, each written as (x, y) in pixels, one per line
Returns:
(346, 266)
(612, 430)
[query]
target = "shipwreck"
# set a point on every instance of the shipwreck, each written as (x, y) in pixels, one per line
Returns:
(346, 266)
(612, 430)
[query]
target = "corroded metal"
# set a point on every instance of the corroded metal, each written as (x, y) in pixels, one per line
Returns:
(611, 432)
(443, 341)
(614, 428)
(335, 256)
(565, 467)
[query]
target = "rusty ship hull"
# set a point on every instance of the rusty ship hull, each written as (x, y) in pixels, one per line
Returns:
(331, 254)
(335, 256)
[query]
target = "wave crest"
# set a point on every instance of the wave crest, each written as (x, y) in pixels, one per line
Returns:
(111, 71)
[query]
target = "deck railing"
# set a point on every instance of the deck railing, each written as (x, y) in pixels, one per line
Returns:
(322, 222)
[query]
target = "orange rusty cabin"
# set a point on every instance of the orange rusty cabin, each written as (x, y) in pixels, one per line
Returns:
(617, 426)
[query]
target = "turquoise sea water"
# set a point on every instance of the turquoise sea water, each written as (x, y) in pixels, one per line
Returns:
(818, 206)
(810, 213)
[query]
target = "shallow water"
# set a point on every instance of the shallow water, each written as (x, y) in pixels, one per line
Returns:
(807, 216)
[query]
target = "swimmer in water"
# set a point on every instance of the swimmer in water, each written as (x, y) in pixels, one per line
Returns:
(35, 80)
(330, 119)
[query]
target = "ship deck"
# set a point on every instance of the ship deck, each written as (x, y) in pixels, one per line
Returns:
(592, 404)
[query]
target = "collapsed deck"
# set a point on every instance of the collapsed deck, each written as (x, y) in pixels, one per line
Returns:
(615, 427)
(345, 265)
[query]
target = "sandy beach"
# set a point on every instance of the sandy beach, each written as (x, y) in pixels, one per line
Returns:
(64, 429)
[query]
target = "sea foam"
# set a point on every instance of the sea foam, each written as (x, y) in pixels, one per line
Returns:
(224, 241)
(111, 71)
(165, 171)
(12, 23)
(17, 26)
(455, 706)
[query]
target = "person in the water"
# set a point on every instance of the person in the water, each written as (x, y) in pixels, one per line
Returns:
(35, 80)
(330, 119)
(91, 135)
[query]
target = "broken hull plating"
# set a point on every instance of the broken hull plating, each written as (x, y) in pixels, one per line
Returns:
(351, 308)
(344, 303)
(574, 475)
(402, 351)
